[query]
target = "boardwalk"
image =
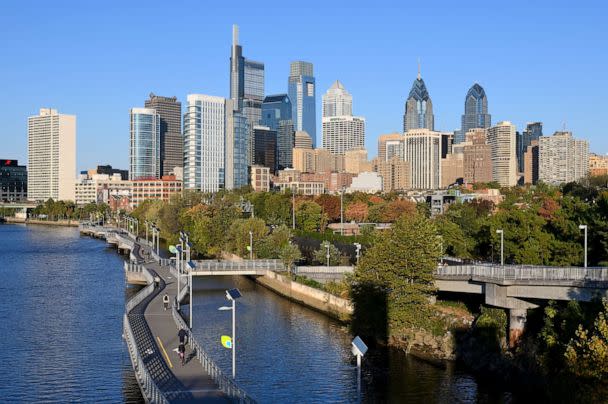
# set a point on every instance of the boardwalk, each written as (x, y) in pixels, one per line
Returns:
(151, 335)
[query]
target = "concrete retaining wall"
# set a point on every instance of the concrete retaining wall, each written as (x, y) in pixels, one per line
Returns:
(329, 304)
(70, 223)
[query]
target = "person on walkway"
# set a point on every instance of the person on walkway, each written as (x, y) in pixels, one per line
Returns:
(156, 281)
(182, 352)
(166, 301)
(182, 334)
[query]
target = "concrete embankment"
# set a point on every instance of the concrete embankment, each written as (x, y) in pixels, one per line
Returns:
(319, 300)
(65, 223)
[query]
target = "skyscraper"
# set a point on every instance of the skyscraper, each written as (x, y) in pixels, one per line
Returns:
(237, 135)
(246, 87)
(390, 146)
(265, 147)
(534, 130)
(501, 139)
(276, 114)
(301, 90)
(144, 156)
(422, 149)
(418, 107)
(51, 156)
(341, 130)
(171, 140)
(475, 112)
(204, 140)
(562, 158)
(477, 157)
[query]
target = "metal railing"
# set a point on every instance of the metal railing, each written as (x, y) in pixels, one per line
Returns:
(225, 383)
(323, 270)
(245, 265)
(525, 273)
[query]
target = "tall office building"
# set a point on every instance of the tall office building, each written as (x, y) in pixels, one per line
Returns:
(477, 157)
(246, 87)
(531, 163)
(501, 139)
(144, 151)
(204, 140)
(265, 147)
(475, 112)
(422, 149)
(51, 156)
(418, 107)
(301, 90)
(171, 140)
(562, 158)
(236, 144)
(276, 114)
(302, 140)
(341, 130)
(534, 130)
(13, 181)
(390, 146)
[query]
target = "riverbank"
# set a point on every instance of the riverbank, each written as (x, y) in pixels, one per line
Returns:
(333, 306)
(63, 223)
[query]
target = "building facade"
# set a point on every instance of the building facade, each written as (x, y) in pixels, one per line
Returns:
(154, 188)
(13, 181)
(390, 145)
(301, 90)
(236, 148)
(51, 156)
(452, 169)
(562, 158)
(475, 112)
(422, 149)
(418, 108)
(204, 140)
(534, 130)
(265, 147)
(355, 161)
(477, 155)
(598, 164)
(144, 151)
(276, 114)
(501, 139)
(531, 163)
(169, 111)
(395, 173)
(302, 140)
(341, 130)
(260, 178)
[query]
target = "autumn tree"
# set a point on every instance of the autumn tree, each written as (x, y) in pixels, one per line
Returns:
(330, 205)
(357, 211)
(394, 209)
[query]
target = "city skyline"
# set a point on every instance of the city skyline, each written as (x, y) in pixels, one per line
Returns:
(90, 85)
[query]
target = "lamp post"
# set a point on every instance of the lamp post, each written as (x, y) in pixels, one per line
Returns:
(293, 208)
(502, 246)
(146, 223)
(232, 295)
(342, 211)
(191, 268)
(584, 227)
(327, 255)
(250, 244)
(358, 247)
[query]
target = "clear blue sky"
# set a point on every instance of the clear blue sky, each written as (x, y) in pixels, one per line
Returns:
(539, 61)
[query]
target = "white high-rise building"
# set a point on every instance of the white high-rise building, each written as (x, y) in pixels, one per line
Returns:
(144, 151)
(501, 139)
(341, 130)
(422, 149)
(204, 140)
(51, 156)
(562, 158)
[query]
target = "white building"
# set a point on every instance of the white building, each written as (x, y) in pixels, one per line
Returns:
(99, 187)
(501, 139)
(422, 149)
(368, 182)
(562, 158)
(341, 130)
(51, 155)
(204, 139)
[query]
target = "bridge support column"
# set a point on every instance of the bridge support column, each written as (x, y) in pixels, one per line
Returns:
(517, 324)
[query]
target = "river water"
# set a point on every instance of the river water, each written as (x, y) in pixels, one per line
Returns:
(62, 300)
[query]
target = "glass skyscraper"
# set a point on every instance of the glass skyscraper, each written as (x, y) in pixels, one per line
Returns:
(475, 112)
(276, 114)
(171, 140)
(418, 108)
(534, 130)
(145, 144)
(301, 90)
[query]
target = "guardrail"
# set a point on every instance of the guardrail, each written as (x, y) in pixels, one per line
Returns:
(525, 272)
(226, 384)
(150, 390)
(323, 270)
(214, 265)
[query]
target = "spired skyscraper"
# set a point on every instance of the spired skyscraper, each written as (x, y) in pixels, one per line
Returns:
(171, 139)
(341, 130)
(418, 107)
(246, 87)
(475, 112)
(301, 90)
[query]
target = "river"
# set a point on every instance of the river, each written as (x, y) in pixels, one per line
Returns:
(62, 300)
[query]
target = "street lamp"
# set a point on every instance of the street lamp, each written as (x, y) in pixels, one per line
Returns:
(358, 247)
(342, 211)
(584, 227)
(250, 244)
(232, 295)
(502, 246)
(293, 208)
(327, 255)
(179, 252)
(191, 267)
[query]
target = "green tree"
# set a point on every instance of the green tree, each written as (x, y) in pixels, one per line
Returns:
(289, 254)
(272, 245)
(320, 255)
(310, 217)
(239, 237)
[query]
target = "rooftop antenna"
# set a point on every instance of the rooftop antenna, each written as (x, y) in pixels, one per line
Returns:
(419, 69)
